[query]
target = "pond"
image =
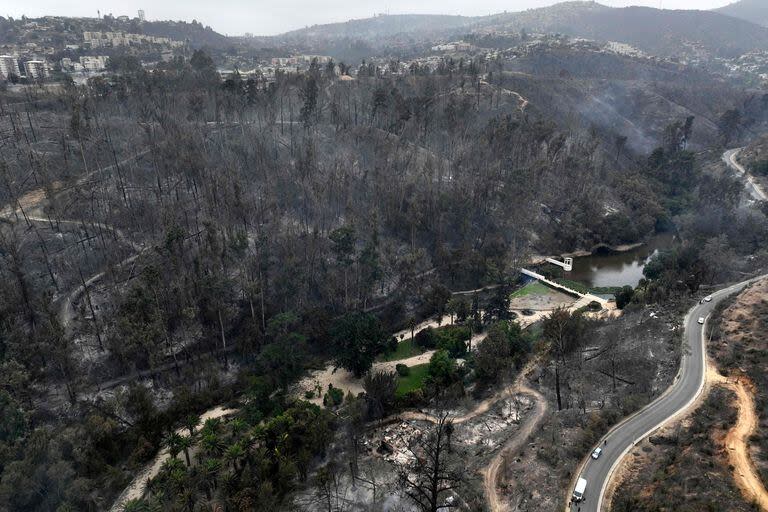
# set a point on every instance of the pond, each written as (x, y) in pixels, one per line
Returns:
(617, 269)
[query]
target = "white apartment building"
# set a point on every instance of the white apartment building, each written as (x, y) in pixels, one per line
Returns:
(116, 39)
(36, 69)
(93, 63)
(9, 66)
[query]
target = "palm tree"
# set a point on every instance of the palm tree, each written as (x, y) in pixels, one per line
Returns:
(237, 425)
(148, 505)
(188, 498)
(173, 466)
(136, 506)
(211, 425)
(173, 443)
(191, 421)
(234, 454)
(185, 443)
(172, 478)
(211, 444)
(209, 471)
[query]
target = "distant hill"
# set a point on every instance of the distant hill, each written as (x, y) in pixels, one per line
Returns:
(755, 11)
(384, 26)
(656, 31)
(196, 33)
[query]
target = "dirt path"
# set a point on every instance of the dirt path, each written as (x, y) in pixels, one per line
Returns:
(138, 486)
(66, 311)
(491, 472)
(34, 198)
(737, 443)
(28, 204)
(737, 440)
(348, 383)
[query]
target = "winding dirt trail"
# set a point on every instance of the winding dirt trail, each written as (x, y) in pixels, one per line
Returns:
(491, 472)
(28, 207)
(745, 474)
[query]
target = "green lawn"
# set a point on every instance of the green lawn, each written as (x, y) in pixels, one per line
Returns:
(405, 349)
(582, 288)
(573, 285)
(532, 288)
(413, 381)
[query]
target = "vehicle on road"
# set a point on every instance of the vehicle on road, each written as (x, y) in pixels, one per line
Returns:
(701, 320)
(708, 298)
(597, 452)
(578, 492)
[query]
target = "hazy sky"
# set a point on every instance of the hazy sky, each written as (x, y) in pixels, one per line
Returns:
(263, 17)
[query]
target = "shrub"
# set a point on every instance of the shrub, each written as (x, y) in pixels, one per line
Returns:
(624, 296)
(402, 370)
(391, 345)
(426, 339)
(412, 398)
(333, 397)
(453, 339)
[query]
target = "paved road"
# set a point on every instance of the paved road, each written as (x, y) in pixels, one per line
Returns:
(755, 190)
(683, 392)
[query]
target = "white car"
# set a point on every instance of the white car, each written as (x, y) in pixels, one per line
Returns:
(701, 320)
(708, 298)
(596, 453)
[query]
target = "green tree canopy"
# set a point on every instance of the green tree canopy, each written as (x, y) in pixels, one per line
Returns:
(358, 338)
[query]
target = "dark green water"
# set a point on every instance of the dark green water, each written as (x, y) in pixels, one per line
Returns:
(617, 269)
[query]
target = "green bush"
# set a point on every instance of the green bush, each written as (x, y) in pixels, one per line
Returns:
(624, 296)
(333, 397)
(402, 370)
(426, 338)
(594, 306)
(391, 345)
(451, 338)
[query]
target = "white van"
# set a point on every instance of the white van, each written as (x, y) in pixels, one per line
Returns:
(578, 492)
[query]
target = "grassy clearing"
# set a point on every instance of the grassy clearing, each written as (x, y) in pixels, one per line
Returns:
(405, 349)
(582, 288)
(415, 380)
(573, 285)
(532, 288)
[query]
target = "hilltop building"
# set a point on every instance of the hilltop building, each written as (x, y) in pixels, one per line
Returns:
(9, 67)
(94, 63)
(36, 69)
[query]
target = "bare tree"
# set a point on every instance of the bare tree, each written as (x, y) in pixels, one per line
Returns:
(330, 488)
(565, 331)
(431, 479)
